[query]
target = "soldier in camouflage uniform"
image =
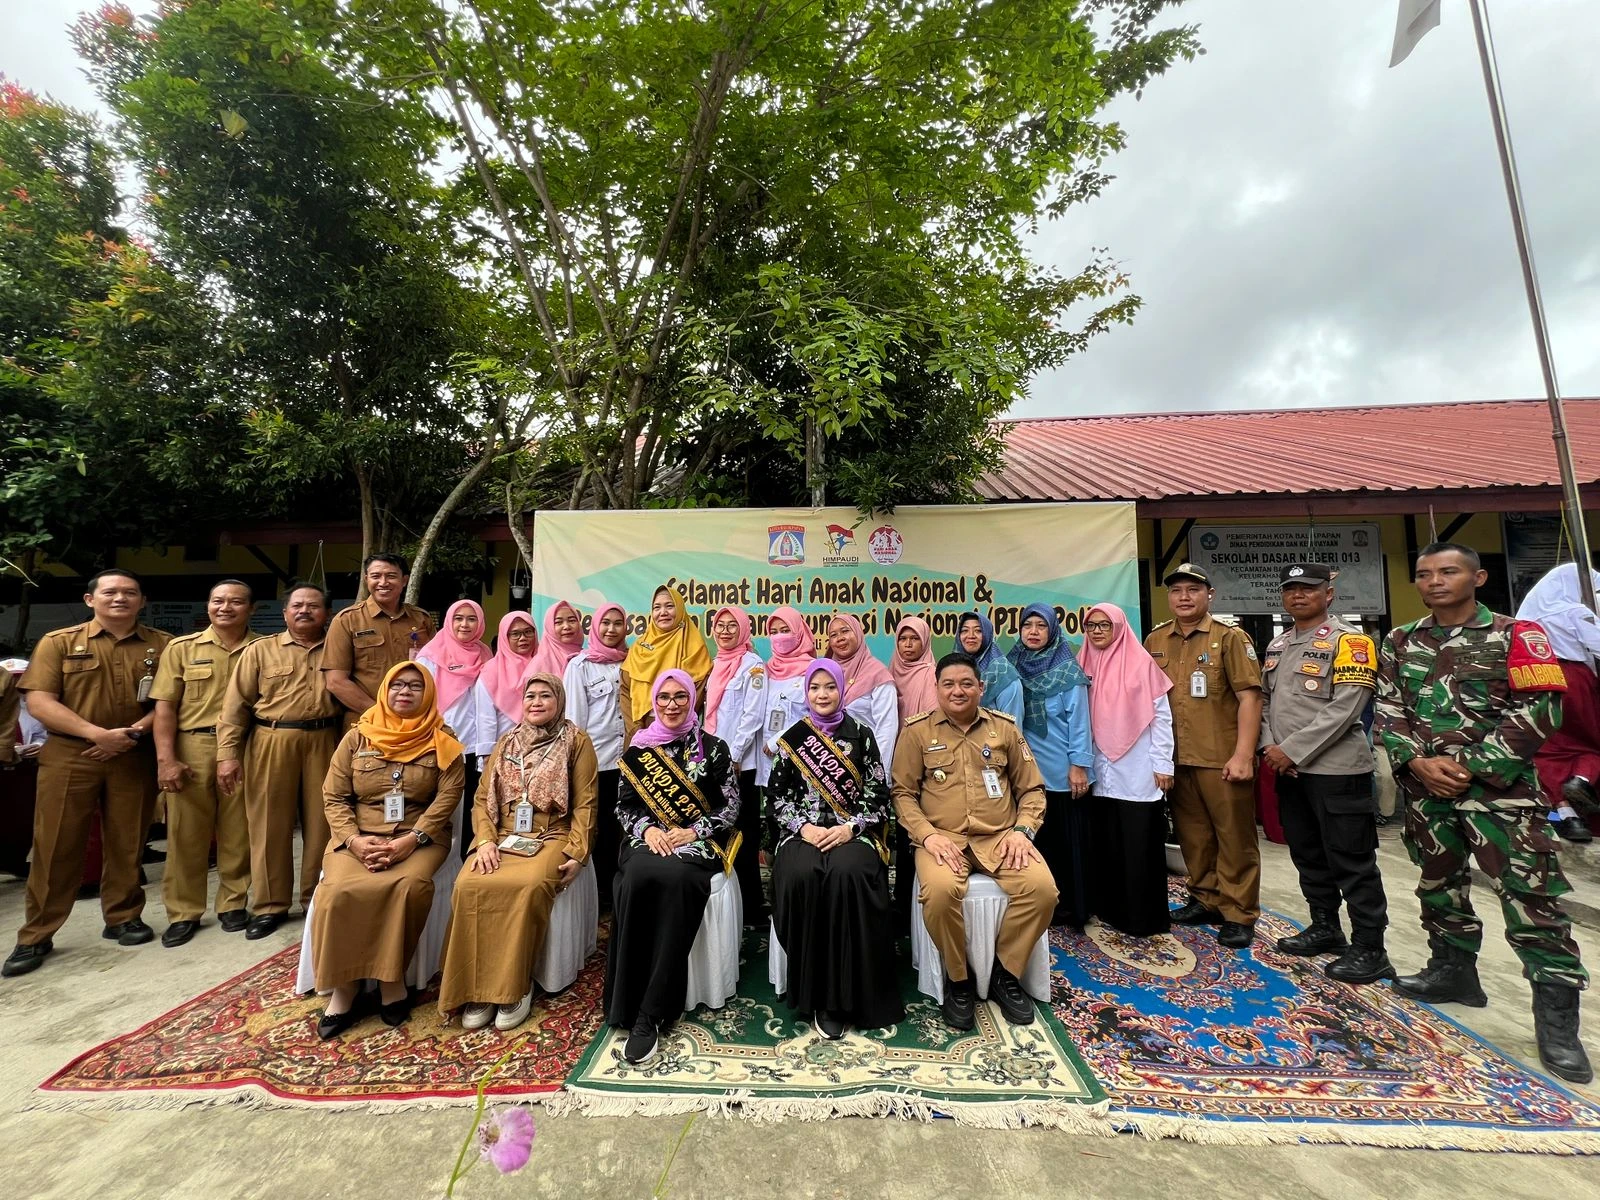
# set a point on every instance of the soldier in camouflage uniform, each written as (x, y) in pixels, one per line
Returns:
(1465, 698)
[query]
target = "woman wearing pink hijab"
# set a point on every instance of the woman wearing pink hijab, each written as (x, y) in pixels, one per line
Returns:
(912, 668)
(455, 657)
(735, 692)
(561, 642)
(869, 692)
(595, 696)
(1130, 720)
(500, 683)
(793, 648)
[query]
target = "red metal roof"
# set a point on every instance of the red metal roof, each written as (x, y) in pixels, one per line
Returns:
(1403, 447)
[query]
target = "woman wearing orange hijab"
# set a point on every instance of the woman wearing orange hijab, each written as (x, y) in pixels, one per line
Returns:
(391, 789)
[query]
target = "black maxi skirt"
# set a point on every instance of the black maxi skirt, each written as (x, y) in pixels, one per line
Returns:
(657, 905)
(1063, 842)
(1130, 873)
(832, 916)
(747, 863)
(607, 836)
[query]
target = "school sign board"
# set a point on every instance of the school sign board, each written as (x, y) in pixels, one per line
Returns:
(935, 562)
(1245, 563)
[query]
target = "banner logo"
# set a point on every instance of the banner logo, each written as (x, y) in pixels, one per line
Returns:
(786, 545)
(886, 545)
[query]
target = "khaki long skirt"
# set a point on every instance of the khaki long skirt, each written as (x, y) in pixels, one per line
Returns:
(366, 924)
(498, 924)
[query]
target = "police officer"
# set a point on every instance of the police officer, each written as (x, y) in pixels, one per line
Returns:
(971, 798)
(89, 685)
(1318, 677)
(1466, 697)
(1216, 719)
(279, 717)
(190, 684)
(368, 638)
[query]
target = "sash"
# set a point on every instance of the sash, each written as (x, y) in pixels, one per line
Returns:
(830, 772)
(672, 797)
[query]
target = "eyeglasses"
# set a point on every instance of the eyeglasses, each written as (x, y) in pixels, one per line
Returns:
(672, 700)
(414, 688)
(726, 627)
(1099, 626)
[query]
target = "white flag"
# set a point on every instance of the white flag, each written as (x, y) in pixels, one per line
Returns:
(1416, 17)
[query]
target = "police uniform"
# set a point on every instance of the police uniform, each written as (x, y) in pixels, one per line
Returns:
(193, 677)
(1317, 682)
(945, 781)
(1210, 667)
(99, 677)
(366, 641)
(280, 718)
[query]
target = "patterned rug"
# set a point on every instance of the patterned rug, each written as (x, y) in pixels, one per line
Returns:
(753, 1058)
(251, 1040)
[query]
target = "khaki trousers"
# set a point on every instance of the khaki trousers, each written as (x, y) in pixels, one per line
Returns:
(72, 791)
(1216, 823)
(1032, 895)
(284, 770)
(194, 815)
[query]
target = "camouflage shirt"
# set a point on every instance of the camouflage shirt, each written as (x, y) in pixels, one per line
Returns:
(1486, 694)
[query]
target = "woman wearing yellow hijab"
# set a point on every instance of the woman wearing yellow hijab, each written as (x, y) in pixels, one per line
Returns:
(390, 793)
(670, 641)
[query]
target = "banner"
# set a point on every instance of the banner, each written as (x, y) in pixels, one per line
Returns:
(935, 562)
(1244, 563)
(1534, 544)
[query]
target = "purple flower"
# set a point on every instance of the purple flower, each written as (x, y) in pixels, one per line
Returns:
(506, 1138)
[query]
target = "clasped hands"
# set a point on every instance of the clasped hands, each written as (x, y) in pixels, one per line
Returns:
(665, 842)
(825, 839)
(380, 853)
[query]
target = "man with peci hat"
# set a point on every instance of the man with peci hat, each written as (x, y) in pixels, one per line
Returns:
(1216, 718)
(1318, 678)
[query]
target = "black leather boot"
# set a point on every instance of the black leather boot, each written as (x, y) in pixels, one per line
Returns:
(1323, 936)
(1451, 977)
(1555, 1024)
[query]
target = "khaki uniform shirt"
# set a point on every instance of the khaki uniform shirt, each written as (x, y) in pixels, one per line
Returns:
(574, 829)
(939, 786)
(1205, 728)
(359, 778)
(194, 674)
(366, 641)
(95, 674)
(274, 679)
(1317, 682)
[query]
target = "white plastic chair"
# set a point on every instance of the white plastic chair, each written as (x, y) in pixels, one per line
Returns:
(983, 908)
(714, 958)
(573, 935)
(777, 961)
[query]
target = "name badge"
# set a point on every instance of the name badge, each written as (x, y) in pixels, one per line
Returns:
(991, 784)
(776, 725)
(524, 818)
(394, 805)
(1197, 685)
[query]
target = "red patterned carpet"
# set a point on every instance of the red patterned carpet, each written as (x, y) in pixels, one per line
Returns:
(251, 1039)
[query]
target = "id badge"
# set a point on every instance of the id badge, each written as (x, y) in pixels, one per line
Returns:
(776, 724)
(524, 818)
(991, 784)
(1197, 685)
(145, 685)
(394, 805)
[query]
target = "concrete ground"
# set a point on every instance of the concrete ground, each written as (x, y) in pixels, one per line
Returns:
(91, 990)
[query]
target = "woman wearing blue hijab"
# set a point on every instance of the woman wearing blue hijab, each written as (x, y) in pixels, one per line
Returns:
(1002, 686)
(1055, 720)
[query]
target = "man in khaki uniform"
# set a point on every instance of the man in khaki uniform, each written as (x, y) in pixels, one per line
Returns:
(279, 715)
(1216, 719)
(89, 685)
(971, 798)
(189, 687)
(368, 638)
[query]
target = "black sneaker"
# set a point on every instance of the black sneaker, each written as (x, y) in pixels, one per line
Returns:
(1004, 990)
(1195, 913)
(26, 958)
(129, 933)
(1236, 935)
(830, 1026)
(960, 1007)
(641, 1044)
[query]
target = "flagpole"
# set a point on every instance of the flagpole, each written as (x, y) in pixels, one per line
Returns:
(1577, 530)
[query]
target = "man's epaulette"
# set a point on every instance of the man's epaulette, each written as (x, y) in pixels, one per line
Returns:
(185, 637)
(1163, 625)
(919, 717)
(1002, 714)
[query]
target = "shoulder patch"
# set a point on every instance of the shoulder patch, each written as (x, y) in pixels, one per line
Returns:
(1004, 716)
(185, 637)
(1532, 662)
(1356, 661)
(919, 717)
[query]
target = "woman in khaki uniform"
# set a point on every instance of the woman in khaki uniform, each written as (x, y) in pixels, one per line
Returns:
(393, 784)
(541, 784)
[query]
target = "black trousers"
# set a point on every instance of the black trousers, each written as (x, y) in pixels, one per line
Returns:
(747, 863)
(469, 793)
(1333, 839)
(607, 835)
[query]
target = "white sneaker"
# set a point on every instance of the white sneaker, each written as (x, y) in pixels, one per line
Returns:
(476, 1016)
(512, 1015)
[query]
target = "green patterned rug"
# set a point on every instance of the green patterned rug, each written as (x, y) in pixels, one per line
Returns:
(752, 1056)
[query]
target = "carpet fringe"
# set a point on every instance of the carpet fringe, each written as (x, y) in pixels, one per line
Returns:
(257, 1099)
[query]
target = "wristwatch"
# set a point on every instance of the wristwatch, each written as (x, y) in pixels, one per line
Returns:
(422, 838)
(1024, 831)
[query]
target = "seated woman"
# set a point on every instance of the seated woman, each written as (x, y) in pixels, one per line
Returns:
(678, 796)
(389, 794)
(540, 784)
(830, 877)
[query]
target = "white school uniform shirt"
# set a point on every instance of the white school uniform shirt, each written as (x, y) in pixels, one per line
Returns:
(785, 704)
(1132, 777)
(741, 711)
(594, 705)
(879, 711)
(492, 723)
(462, 715)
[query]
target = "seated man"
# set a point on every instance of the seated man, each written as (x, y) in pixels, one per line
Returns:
(970, 796)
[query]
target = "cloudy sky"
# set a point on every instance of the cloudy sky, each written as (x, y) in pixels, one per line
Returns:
(1306, 226)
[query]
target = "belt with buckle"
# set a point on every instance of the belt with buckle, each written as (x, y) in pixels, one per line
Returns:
(204, 730)
(314, 723)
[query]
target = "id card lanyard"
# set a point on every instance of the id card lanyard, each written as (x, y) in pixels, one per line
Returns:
(394, 800)
(524, 810)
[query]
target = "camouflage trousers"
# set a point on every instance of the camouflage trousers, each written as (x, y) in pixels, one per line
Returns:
(1512, 847)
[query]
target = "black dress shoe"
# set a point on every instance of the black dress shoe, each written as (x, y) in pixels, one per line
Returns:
(129, 933)
(1360, 964)
(394, 1015)
(262, 924)
(1004, 990)
(1195, 913)
(960, 1007)
(1573, 829)
(1236, 936)
(332, 1027)
(26, 958)
(179, 932)
(1580, 793)
(152, 855)
(830, 1026)
(233, 920)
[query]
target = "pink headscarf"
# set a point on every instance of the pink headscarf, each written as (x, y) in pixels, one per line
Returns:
(727, 663)
(656, 733)
(1124, 685)
(862, 672)
(791, 651)
(459, 662)
(598, 651)
(553, 654)
(914, 680)
(502, 678)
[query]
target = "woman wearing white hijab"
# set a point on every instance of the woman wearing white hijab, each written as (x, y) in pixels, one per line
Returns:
(1569, 762)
